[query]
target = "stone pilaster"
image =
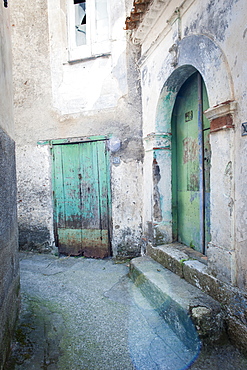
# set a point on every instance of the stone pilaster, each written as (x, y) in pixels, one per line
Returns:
(158, 163)
(220, 251)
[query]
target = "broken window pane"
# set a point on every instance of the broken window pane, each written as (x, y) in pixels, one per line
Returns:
(80, 22)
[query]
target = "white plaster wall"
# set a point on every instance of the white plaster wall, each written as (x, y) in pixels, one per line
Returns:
(56, 99)
(220, 252)
(222, 189)
(90, 85)
(154, 72)
(148, 188)
(34, 183)
(127, 201)
(236, 53)
(6, 87)
(223, 69)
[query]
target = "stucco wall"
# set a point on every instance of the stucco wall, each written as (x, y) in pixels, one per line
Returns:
(9, 267)
(209, 36)
(56, 99)
(6, 114)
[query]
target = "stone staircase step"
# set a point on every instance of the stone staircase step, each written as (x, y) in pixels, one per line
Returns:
(192, 315)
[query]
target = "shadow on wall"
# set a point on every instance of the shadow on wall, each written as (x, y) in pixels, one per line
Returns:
(35, 240)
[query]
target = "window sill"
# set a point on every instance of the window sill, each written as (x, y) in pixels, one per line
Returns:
(91, 57)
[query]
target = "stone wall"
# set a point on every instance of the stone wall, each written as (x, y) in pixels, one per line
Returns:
(9, 266)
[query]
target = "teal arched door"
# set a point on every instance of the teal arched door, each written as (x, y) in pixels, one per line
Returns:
(191, 165)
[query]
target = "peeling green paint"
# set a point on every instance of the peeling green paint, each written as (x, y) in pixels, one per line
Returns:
(185, 168)
(81, 190)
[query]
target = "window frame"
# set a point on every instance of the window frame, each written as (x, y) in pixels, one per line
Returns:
(92, 47)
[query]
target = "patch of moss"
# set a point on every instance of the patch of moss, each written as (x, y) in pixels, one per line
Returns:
(183, 260)
(192, 246)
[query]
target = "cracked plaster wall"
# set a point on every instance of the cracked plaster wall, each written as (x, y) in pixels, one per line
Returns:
(212, 40)
(55, 99)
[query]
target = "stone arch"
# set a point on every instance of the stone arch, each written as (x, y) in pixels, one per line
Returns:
(162, 154)
(191, 54)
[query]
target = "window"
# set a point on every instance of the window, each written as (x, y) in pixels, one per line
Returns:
(88, 25)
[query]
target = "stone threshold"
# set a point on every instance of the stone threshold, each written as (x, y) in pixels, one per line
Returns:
(191, 266)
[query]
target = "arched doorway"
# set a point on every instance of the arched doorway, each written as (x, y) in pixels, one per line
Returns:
(191, 165)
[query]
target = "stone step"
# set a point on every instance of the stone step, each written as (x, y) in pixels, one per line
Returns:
(192, 315)
(192, 266)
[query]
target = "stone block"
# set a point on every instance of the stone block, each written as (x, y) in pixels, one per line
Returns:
(237, 332)
(232, 300)
(169, 256)
(219, 262)
(9, 266)
(197, 274)
(9, 313)
(182, 305)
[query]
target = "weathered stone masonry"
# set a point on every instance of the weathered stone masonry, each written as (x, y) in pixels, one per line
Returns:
(9, 266)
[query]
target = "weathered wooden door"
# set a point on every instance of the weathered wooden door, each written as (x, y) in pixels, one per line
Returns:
(191, 165)
(81, 192)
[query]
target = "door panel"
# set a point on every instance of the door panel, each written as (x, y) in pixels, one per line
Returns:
(186, 175)
(81, 189)
(188, 166)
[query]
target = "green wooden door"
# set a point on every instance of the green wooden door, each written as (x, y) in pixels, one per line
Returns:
(191, 171)
(81, 193)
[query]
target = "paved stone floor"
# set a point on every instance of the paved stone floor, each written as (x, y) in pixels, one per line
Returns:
(79, 313)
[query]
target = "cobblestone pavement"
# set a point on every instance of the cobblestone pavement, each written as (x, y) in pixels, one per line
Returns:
(79, 313)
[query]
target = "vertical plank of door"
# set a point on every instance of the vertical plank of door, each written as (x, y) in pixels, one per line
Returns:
(71, 167)
(67, 201)
(103, 195)
(188, 166)
(93, 238)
